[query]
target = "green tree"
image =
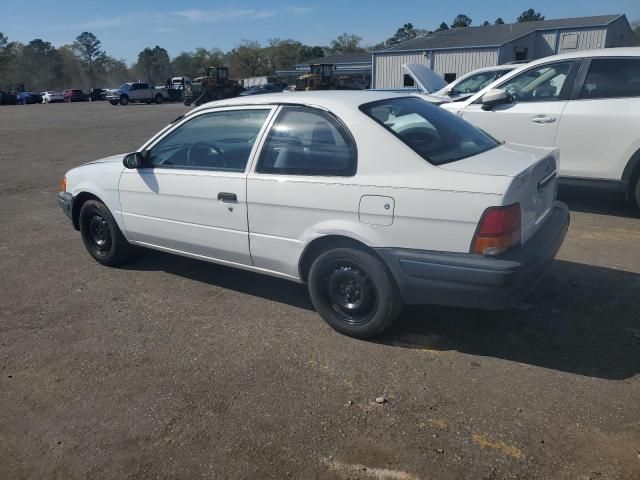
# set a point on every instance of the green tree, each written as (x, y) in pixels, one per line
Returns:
(89, 49)
(485, 23)
(499, 21)
(247, 60)
(404, 33)
(636, 32)
(308, 53)
(154, 63)
(530, 16)
(461, 21)
(41, 66)
(443, 26)
(346, 43)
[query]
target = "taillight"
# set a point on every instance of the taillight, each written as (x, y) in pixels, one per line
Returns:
(63, 184)
(498, 231)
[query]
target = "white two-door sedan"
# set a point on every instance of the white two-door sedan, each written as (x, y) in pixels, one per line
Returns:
(373, 200)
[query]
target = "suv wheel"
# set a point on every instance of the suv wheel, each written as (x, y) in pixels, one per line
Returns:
(159, 99)
(353, 292)
(101, 235)
(636, 192)
(124, 100)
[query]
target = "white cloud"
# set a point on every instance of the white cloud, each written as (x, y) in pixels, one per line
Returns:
(223, 14)
(299, 10)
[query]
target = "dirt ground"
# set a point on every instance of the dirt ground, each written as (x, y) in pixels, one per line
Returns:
(174, 368)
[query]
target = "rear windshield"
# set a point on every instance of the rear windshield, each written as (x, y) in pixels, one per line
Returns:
(435, 134)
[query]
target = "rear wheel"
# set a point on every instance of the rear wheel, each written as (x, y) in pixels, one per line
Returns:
(353, 292)
(124, 100)
(636, 191)
(101, 235)
(113, 102)
(159, 99)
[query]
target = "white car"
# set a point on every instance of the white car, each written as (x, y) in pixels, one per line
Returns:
(586, 103)
(465, 86)
(51, 97)
(374, 200)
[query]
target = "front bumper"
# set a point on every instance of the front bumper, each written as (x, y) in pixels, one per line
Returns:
(474, 281)
(65, 200)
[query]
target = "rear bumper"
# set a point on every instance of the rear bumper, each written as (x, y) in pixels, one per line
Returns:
(474, 281)
(65, 200)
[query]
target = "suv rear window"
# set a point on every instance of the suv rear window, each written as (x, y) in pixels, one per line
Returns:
(612, 78)
(433, 133)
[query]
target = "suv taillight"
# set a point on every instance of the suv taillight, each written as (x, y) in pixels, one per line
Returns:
(498, 231)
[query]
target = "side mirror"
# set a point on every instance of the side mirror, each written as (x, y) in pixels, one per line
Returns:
(495, 97)
(132, 160)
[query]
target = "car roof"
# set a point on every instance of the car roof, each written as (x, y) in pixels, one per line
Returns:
(333, 100)
(601, 52)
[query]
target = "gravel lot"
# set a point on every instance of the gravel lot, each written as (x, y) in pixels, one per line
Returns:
(173, 368)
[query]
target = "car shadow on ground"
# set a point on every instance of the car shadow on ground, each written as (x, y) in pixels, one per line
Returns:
(580, 318)
(601, 202)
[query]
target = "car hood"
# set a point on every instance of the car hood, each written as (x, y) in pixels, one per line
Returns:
(428, 80)
(508, 160)
(112, 159)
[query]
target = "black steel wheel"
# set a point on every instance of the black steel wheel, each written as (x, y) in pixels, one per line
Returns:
(101, 235)
(354, 292)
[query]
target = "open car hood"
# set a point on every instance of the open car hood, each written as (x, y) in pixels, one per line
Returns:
(426, 79)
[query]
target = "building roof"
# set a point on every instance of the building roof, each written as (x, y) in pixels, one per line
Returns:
(495, 35)
(360, 57)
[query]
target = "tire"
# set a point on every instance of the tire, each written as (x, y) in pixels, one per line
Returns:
(101, 236)
(124, 100)
(353, 292)
(187, 102)
(113, 102)
(636, 192)
(159, 99)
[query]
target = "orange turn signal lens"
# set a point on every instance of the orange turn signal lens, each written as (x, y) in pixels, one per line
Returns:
(498, 231)
(63, 184)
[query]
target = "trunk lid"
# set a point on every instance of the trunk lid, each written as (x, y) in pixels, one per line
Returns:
(534, 181)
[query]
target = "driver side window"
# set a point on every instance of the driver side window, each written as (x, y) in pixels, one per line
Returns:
(542, 84)
(212, 141)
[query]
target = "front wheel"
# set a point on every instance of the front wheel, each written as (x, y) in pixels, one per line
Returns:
(637, 192)
(159, 99)
(101, 236)
(124, 100)
(353, 292)
(113, 102)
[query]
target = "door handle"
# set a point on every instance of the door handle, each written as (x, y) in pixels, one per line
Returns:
(543, 119)
(227, 197)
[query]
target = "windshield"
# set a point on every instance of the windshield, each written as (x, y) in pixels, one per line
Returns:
(436, 135)
(124, 86)
(477, 82)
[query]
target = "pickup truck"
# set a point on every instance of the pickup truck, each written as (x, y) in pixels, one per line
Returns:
(136, 92)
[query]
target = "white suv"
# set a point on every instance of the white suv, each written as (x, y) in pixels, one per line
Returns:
(586, 103)
(373, 200)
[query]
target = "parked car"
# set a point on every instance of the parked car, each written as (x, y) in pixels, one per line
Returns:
(74, 95)
(52, 97)
(26, 98)
(261, 89)
(7, 98)
(465, 86)
(587, 103)
(373, 200)
(136, 92)
(96, 94)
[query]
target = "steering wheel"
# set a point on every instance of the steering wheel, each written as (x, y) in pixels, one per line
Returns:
(201, 150)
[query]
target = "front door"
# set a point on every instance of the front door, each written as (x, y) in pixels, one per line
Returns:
(190, 197)
(539, 97)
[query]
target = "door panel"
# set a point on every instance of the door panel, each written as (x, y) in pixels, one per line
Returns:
(180, 210)
(529, 123)
(191, 195)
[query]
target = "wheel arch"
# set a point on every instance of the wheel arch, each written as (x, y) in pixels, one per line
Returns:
(322, 244)
(631, 172)
(78, 201)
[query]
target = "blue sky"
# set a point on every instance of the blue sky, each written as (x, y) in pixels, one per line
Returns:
(125, 27)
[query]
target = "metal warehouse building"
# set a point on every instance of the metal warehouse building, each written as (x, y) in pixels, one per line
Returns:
(457, 51)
